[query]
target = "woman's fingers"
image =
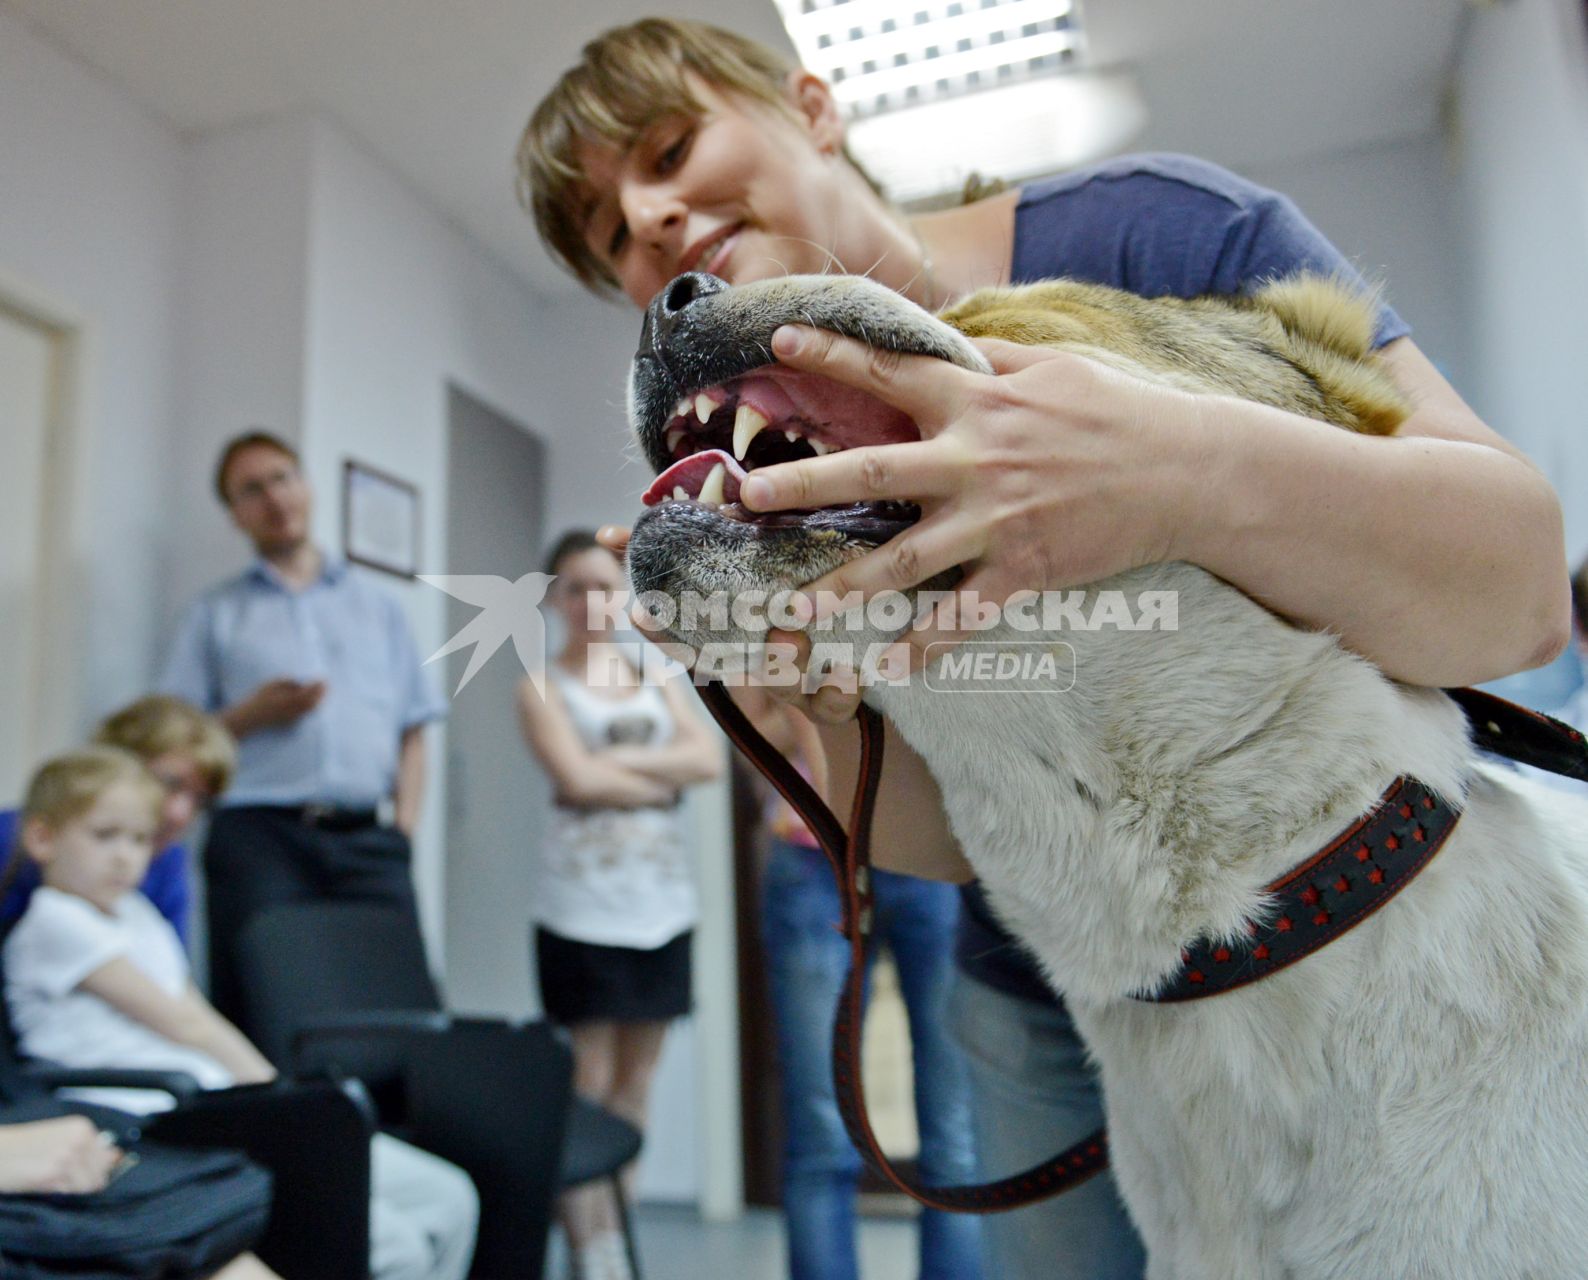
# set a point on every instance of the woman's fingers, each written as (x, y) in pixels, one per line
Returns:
(902, 472)
(970, 608)
(1011, 357)
(614, 537)
(933, 546)
(835, 699)
(926, 388)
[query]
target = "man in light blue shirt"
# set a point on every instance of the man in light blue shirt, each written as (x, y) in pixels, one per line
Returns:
(314, 671)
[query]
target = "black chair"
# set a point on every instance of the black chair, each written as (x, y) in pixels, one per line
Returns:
(312, 1136)
(345, 987)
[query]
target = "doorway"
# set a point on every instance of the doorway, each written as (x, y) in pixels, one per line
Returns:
(35, 368)
(496, 800)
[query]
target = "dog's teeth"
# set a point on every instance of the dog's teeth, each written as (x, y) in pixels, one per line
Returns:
(823, 448)
(712, 490)
(683, 408)
(680, 492)
(747, 424)
(673, 437)
(790, 434)
(705, 406)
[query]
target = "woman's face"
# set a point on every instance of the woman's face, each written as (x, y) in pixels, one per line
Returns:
(580, 576)
(744, 191)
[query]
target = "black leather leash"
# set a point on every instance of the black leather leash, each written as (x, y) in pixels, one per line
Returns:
(1356, 874)
(850, 859)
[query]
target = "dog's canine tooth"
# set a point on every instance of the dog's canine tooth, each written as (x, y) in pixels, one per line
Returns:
(673, 437)
(705, 406)
(712, 490)
(683, 408)
(747, 424)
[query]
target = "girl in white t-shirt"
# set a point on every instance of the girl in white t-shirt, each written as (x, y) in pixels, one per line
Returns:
(96, 977)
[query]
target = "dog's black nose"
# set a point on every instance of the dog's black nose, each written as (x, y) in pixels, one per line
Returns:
(686, 290)
(670, 307)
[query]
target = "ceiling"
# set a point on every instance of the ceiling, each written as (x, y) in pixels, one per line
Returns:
(441, 88)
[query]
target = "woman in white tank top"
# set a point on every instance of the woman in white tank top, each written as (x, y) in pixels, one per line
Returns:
(615, 899)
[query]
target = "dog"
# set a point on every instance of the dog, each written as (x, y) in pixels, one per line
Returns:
(1410, 1100)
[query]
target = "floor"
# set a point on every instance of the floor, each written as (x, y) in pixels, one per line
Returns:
(676, 1245)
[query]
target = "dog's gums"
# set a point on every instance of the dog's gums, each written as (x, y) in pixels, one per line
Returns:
(709, 412)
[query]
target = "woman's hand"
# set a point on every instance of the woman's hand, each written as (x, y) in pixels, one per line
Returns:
(1436, 553)
(68, 1154)
(1053, 472)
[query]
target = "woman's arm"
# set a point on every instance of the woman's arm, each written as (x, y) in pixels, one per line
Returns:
(408, 794)
(691, 755)
(188, 1019)
(580, 776)
(1436, 553)
(909, 828)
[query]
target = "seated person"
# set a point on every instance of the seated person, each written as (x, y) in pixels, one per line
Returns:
(96, 977)
(193, 758)
(70, 1155)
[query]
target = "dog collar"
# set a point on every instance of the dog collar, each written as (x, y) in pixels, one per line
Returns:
(1352, 877)
(1372, 860)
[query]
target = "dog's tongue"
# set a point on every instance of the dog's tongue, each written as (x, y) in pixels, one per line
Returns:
(691, 474)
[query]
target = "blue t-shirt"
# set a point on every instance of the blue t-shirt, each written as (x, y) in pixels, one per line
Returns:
(1155, 225)
(166, 883)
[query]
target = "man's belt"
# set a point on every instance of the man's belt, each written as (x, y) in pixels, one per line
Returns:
(322, 817)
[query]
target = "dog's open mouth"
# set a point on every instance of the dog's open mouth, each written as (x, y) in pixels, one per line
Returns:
(719, 434)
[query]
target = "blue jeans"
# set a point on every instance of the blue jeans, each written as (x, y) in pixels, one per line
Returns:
(807, 960)
(1034, 1093)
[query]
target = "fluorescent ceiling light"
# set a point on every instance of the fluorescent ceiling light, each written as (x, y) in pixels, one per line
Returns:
(1015, 133)
(935, 90)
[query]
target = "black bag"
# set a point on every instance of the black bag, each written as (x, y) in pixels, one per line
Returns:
(175, 1212)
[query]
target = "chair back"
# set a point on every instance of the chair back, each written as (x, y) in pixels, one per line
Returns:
(491, 1096)
(15, 1086)
(308, 961)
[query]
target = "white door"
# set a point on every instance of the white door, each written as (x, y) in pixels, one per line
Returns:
(28, 381)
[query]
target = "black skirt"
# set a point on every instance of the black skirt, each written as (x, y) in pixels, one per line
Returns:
(587, 982)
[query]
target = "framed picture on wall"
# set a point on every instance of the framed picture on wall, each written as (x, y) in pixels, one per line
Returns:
(380, 520)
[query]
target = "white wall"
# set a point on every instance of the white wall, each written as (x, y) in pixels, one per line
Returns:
(89, 232)
(1522, 194)
(243, 284)
(1388, 209)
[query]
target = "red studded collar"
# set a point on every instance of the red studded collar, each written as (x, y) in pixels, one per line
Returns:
(1372, 860)
(1357, 873)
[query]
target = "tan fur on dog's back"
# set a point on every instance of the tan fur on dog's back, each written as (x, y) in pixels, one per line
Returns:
(1304, 344)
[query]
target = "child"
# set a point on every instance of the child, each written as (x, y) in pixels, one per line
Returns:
(96, 977)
